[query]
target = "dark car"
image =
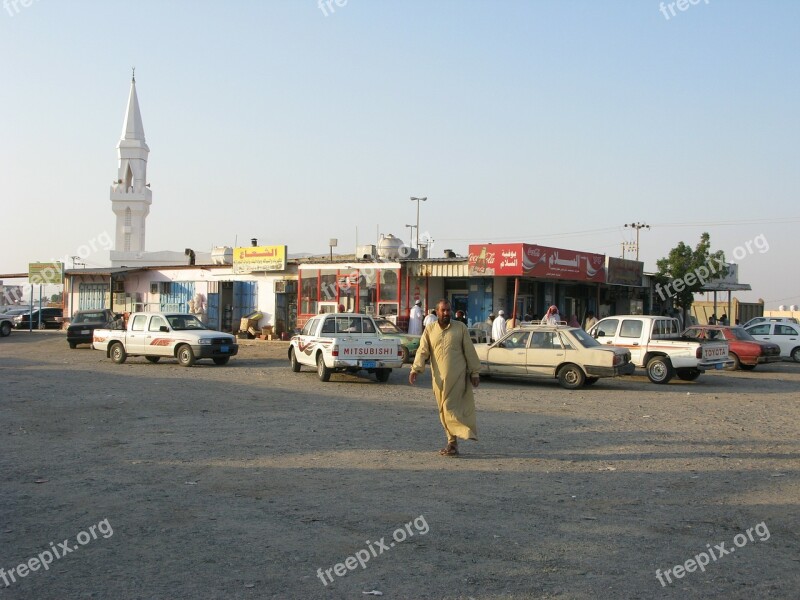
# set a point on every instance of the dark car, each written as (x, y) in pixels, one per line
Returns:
(51, 319)
(84, 322)
(743, 349)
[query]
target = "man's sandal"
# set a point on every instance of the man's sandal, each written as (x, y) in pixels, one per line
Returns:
(449, 450)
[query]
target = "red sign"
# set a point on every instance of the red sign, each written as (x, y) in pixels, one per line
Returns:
(495, 259)
(530, 260)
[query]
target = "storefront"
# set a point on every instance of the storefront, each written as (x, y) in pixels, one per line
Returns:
(525, 279)
(370, 288)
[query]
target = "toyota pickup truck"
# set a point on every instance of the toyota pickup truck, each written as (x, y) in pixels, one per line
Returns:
(159, 335)
(345, 342)
(656, 344)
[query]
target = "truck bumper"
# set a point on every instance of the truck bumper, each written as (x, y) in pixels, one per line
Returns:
(395, 363)
(717, 365)
(215, 350)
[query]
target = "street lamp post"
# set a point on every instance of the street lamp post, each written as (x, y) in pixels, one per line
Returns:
(418, 200)
(637, 226)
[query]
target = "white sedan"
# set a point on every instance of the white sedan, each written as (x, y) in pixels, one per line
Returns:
(553, 351)
(786, 335)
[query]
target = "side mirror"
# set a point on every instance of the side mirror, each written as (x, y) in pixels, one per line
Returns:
(164, 329)
(599, 333)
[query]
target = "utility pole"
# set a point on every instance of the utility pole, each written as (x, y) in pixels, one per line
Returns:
(418, 200)
(637, 226)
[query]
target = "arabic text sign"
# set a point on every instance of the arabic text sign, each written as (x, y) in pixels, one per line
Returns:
(259, 258)
(52, 272)
(495, 259)
(542, 261)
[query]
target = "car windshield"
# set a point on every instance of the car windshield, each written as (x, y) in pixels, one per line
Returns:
(92, 317)
(584, 339)
(387, 326)
(740, 334)
(184, 322)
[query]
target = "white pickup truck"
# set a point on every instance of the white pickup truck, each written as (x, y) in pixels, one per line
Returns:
(345, 342)
(156, 335)
(656, 345)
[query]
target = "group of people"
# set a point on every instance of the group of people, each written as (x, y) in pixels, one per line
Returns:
(723, 320)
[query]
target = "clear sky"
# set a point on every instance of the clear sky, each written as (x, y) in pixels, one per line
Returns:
(540, 122)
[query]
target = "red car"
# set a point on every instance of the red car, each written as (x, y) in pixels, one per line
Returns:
(744, 350)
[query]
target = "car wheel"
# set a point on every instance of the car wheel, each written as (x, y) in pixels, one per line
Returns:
(382, 375)
(294, 361)
(592, 380)
(659, 369)
(221, 360)
(185, 356)
(405, 354)
(5, 329)
(736, 362)
(747, 367)
(571, 377)
(118, 354)
(687, 374)
(73, 345)
(152, 359)
(796, 354)
(323, 372)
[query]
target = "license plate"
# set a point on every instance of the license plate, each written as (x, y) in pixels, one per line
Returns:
(224, 349)
(368, 364)
(720, 367)
(86, 331)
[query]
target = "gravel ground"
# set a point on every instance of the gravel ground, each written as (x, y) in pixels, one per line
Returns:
(243, 481)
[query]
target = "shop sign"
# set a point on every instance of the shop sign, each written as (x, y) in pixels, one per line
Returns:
(624, 272)
(259, 258)
(530, 260)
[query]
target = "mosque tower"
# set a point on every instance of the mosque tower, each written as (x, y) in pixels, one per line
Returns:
(130, 193)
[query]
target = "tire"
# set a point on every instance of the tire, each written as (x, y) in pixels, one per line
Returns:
(748, 367)
(406, 354)
(117, 353)
(323, 372)
(382, 375)
(152, 359)
(736, 362)
(796, 354)
(294, 361)
(5, 329)
(571, 377)
(221, 360)
(592, 380)
(185, 355)
(73, 345)
(687, 374)
(659, 370)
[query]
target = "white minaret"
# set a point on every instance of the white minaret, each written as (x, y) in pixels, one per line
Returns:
(130, 196)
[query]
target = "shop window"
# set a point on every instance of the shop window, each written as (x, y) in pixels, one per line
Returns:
(309, 292)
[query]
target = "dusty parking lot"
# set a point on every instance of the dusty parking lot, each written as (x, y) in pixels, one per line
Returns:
(250, 481)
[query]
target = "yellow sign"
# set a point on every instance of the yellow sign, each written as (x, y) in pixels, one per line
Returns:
(259, 258)
(52, 272)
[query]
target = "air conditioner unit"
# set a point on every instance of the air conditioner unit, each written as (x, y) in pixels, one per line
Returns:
(154, 289)
(280, 286)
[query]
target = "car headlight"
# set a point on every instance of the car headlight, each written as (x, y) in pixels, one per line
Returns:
(205, 341)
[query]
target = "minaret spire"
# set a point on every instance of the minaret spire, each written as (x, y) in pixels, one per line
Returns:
(130, 193)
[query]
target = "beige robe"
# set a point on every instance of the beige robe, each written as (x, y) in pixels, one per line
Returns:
(453, 361)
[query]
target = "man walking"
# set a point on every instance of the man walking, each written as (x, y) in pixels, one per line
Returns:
(454, 366)
(415, 319)
(499, 326)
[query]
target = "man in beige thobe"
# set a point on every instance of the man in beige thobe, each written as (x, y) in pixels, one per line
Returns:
(454, 367)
